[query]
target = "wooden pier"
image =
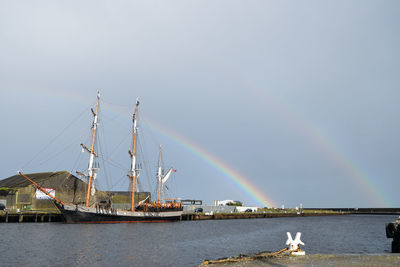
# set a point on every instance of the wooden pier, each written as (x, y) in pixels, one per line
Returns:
(30, 216)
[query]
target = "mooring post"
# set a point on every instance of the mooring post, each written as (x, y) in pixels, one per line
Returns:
(49, 217)
(294, 245)
(6, 216)
(393, 231)
(36, 217)
(20, 217)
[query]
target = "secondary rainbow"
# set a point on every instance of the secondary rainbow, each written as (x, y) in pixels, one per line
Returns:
(328, 147)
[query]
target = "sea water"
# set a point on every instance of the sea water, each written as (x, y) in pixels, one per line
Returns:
(185, 243)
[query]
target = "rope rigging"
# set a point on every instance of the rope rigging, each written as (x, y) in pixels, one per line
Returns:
(55, 138)
(102, 156)
(105, 172)
(70, 145)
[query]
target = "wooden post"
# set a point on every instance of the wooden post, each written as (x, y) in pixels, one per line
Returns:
(49, 217)
(36, 217)
(6, 216)
(20, 218)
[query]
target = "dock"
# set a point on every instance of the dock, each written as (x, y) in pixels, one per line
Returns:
(30, 216)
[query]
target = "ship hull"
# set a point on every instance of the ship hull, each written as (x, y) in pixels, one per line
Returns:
(82, 214)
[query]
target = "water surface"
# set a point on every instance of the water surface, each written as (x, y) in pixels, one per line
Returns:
(184, 243)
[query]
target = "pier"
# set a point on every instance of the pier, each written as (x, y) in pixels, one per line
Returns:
(30, 216)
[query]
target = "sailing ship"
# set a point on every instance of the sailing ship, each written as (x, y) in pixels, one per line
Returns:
(143, 211)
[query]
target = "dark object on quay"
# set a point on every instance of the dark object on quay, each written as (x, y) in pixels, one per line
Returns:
(393, 231)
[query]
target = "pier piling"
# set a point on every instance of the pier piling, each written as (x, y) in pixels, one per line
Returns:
(10, 216)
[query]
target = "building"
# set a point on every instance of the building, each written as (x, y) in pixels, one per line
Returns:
(16, 192)
(247, 209)
(227, 202)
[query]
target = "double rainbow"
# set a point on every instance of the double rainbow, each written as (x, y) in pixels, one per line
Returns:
(328, 147)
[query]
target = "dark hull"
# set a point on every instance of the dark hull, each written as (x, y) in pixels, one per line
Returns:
(76, 216)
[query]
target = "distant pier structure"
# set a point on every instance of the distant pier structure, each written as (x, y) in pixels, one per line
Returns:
(376, 211)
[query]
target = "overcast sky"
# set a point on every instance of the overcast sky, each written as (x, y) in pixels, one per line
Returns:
(300, 97)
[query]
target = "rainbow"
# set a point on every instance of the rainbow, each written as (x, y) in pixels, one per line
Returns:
(228, 172)
(328, 147)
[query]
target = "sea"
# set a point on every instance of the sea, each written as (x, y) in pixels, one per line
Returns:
(185, 243)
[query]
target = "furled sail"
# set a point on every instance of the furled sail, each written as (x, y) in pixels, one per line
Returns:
(166, 176)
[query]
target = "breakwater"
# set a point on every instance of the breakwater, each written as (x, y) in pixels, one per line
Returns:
(372, 211)
(228, 216)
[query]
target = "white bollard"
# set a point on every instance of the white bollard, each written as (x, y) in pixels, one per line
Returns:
(294, 247)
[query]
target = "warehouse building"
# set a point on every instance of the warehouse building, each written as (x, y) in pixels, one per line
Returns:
(16, 192)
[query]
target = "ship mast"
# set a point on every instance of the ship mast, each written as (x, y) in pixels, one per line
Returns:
(92, 172)
(159, 174)
(132, 174)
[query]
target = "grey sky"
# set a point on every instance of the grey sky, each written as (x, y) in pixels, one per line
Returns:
(285, 92)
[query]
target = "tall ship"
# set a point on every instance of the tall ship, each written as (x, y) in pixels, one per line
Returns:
(162, 210)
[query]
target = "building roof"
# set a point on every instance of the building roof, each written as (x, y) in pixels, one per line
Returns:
(19, 181)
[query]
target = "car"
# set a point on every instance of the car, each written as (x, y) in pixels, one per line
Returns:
(198, 210)
(2, 206)
(248, 210)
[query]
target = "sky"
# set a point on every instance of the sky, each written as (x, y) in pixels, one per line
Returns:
(268, 102)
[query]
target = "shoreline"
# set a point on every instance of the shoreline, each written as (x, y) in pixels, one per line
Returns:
(10, 216)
